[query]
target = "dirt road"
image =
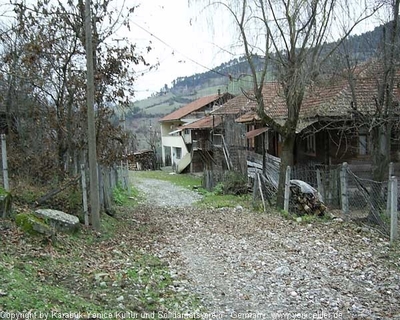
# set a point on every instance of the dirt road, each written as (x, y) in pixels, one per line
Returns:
(261, 266)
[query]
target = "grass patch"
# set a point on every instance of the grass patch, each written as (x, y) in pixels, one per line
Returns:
(120, 195)
(224, 201)
(87, 272)
(24, 290)
(215, 199)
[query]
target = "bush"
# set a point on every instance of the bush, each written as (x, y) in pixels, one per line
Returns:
(235, 183)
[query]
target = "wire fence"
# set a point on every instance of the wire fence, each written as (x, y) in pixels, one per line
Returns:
(109, 178)
(345, 190)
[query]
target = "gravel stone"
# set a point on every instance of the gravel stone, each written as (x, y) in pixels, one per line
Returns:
(165, 194)
(244, 264)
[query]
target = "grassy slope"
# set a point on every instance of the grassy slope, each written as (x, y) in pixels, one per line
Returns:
(162, 105)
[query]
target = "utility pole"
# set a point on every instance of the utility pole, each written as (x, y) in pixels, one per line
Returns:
(94, 183)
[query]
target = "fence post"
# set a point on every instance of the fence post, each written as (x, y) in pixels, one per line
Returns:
(107, 189)
(393, 209)
(261, 191)
(101, 186)
(343, 190)
(84, 195)
(320, 185)
(287, 190)
(125, 168)
(388, 200)
(4, 158)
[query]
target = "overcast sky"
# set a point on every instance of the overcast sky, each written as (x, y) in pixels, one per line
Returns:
(185, 41)
(183, 44)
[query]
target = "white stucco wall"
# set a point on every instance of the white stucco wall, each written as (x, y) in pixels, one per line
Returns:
(174, 142)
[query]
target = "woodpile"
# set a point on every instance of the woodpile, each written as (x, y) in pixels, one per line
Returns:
(304, 199)
(142, 160)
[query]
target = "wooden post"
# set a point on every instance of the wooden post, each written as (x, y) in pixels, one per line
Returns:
(263, 152)
(388, 200)
(343, 190)
(287, 190)
(261, 191)
(393, 209)
(94, 186)
(84, 195)
(320, 185)
(126, 171)
(4, 158)
(107, 191)
(101, 185)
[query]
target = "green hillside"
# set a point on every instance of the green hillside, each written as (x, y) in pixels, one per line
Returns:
(232, 76)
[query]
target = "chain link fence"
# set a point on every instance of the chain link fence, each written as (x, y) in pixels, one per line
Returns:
(347, 191)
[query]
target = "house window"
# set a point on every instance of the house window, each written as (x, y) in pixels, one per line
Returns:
(186, 131)
(178, 153)
(363, 145)
(311, 145)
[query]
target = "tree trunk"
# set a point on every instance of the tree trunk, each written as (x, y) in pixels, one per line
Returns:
(380, 168)
(286, 160)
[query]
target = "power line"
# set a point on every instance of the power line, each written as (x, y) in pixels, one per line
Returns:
(188, 58)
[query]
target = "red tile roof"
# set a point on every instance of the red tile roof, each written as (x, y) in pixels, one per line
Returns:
(204, 123)
(332, 98)
(234, 106)
(193, 106)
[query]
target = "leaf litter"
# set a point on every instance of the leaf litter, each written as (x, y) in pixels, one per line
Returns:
(243, 263)
(168, 255)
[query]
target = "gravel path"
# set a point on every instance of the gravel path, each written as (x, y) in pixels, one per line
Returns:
(260, 266)
(165, 194)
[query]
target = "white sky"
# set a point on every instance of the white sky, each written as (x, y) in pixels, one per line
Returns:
(188, 41)
(185, 40)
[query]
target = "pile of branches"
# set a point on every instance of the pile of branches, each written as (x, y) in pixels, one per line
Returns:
(305, 199)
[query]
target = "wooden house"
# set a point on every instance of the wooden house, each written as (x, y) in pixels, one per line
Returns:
(329, 130)
(178, 142)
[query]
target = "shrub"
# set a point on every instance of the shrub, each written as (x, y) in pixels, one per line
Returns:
(235, 183)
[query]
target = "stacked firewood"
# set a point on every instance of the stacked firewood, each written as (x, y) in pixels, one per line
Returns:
(144, 160)
(304, 199)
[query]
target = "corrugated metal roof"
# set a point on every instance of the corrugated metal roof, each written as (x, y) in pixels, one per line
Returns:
(204, 123)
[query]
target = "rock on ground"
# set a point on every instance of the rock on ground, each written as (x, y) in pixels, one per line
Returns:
(59, 220)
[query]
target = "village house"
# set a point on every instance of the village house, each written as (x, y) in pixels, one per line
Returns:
(178, 142)
(329, 130)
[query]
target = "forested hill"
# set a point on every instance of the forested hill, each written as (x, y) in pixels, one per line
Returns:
(362, 47)
(186, 89)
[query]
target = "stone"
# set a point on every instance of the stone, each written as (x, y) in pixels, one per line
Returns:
(282, 271)
(31, 224)
(59, 220)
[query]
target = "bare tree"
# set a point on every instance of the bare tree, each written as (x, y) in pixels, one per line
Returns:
(380, 120)
(290, 36)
